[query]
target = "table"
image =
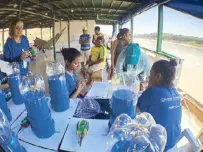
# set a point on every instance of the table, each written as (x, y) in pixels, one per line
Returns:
(65, 126)
(97, 128)
(99, 90)
(61, 124)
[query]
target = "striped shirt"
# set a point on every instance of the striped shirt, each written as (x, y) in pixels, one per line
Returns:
(85, 46)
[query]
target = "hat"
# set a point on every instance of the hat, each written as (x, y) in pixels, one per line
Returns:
(85, 28)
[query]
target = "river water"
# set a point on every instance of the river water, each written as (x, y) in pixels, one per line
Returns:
(191, 80)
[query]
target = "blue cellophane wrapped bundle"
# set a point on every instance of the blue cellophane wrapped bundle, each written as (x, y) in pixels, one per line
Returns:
(123, 101)
(38, 112)
(136, 135)
(14, 80)
(8, 139)
(4, 107)
(57, 86)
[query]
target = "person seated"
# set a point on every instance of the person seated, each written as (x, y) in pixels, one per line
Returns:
(97, 59)
(72, 58)
(4, 83)
(162, 100)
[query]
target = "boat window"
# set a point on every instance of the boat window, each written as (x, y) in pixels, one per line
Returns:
(145, 28)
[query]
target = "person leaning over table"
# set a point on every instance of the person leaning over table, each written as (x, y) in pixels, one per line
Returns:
(120, 44)
(16, 48)
(162, 100)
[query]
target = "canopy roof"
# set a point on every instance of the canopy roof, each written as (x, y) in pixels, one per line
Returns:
(36, 13)
(192, 7)
(40, 13)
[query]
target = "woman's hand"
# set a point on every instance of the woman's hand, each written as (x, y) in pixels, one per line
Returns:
(23, 55)
(81, 86)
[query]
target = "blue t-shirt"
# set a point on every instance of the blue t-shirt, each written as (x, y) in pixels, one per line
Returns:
(71, 83)
(85, 46)
(12, 52)
(163, 103)
(4, 80)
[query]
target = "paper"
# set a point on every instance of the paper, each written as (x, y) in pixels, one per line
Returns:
(61, 119)
(99, 90)
(98, 130)
(5, 67)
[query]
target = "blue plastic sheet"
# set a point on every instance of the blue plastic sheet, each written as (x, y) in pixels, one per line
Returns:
(4, 107)
(122, 102)
(58, 92)
(14, 82)
(13, 145)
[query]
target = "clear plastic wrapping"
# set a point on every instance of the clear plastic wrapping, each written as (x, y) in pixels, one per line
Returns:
(57, 86)
(55, 68)
(136, 135)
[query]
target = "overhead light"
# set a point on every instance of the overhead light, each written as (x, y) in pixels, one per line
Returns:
(61, 19)
(80, 17)
(15, 5)
(40, 23)
(109, 11)
(46, 13)
(72, 10)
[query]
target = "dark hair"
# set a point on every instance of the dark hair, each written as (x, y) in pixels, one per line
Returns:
(12, 27)
(122, 32)
(97, 28)
(100, 38)
(167, 69)
(70, 54)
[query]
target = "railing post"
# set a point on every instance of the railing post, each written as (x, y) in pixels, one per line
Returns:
(53, 32)
(160, 28)
(2, 39)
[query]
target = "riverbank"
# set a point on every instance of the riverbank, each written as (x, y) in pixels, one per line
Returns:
(189, 44)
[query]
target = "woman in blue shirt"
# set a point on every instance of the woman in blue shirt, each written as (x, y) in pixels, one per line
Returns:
(162, 100)
(72, 58)
(17, 46)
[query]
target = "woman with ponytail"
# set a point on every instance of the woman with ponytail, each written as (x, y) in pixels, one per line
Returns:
(162, 100)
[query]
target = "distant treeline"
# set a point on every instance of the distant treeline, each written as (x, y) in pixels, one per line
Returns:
(173, 37)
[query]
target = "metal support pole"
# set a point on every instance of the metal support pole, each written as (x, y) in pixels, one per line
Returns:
(60, 26)
(2, 39)
(50, 32)
(69, 34)
(160, 28)
(120, 26)
(20, 8)
(26, 32)
(41, 31)
(54, 47)
(132, 27)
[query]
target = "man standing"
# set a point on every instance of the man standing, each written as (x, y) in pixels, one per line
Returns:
(97, 34)
(85, 40)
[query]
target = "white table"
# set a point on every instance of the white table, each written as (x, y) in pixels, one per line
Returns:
(61, 119)
(32, 148)
(99, 90)
(16, 111)
(94, 141)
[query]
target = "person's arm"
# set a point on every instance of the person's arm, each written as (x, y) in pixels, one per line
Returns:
(80, 40)
(145, 100)
(4, 86)
(75, 94)
(115, 43)
(93, 39)
(7, 54)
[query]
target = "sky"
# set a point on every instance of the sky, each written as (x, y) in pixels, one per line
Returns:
(174, 22)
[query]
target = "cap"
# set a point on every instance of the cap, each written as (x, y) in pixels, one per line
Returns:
(85, 28)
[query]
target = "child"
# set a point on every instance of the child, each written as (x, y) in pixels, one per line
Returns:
(72, 58)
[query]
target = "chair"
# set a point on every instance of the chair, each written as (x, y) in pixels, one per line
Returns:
(193, 146)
